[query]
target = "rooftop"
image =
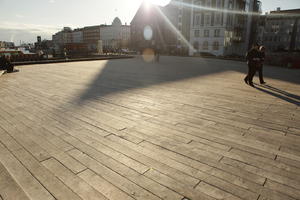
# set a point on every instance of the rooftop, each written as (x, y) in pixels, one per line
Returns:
(286, 11)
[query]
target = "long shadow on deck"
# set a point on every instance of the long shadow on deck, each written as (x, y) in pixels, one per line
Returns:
(275, 92)
(122, 75)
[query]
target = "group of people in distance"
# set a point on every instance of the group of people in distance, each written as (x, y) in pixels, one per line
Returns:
(255, 60)
(6, 64)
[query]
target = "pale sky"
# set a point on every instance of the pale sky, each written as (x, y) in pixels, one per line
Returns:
(25, 19)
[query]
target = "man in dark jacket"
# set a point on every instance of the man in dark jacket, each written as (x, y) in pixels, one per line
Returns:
(261, 64)
(253, 59)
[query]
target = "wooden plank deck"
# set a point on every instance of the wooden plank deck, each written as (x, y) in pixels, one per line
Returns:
(184, 128)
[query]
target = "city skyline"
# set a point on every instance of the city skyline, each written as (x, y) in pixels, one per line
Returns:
(23, 22)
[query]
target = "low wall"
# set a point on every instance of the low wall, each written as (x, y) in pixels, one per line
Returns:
(70, 60)
(284, 59)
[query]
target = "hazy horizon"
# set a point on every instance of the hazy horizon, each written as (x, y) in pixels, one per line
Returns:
(23, 21)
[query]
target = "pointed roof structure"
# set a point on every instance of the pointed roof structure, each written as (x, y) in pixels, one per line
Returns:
(117, 22)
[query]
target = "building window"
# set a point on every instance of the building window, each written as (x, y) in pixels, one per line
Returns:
(197, 3)
(202, 19)
(197, 33)
(197, 20)
(213, 3)
(205, 45)
(207, 20)
(206, 33)
(218, 19)
(196, 45)
(218, 3)
(216, 46)
(208, 3)
(180, 11)
(217, 33)
(230, 19)
(230, 5)
(179, 27)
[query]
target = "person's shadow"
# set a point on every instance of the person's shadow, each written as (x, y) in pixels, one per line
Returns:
(281, 94)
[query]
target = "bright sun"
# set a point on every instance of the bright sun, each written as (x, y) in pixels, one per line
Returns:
(158, 2)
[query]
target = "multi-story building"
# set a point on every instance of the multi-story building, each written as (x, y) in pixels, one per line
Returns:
(178, 13)
(169, 25)
(7, 45)
(260, 29)
(77, 35)
(2, 45)
(222, 27)
(61, 38)
(115, 36)
(91, 37)
(282, 30)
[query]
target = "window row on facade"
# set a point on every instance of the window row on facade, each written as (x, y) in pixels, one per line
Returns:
(206, 45)
(207, 19)
(209, 3)
(207, 33)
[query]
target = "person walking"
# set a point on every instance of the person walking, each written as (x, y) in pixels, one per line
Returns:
(157, 53)
(253, 59)
(65, 54)
(262, 56)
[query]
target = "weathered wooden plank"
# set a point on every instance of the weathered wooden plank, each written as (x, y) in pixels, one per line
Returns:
(9, 189)
(182, 189)
(215, 192)
(148, 161)
(116, 179)
(103, 186)
(276, 177)
(26, 142)
(206, 177)
(292, 192)
(32, 188)
(78, 185)
(51, 148)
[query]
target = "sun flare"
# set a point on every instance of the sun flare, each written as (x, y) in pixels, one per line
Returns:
(158, 2)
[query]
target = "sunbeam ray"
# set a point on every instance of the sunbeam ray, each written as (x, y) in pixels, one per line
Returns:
(173, 28)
